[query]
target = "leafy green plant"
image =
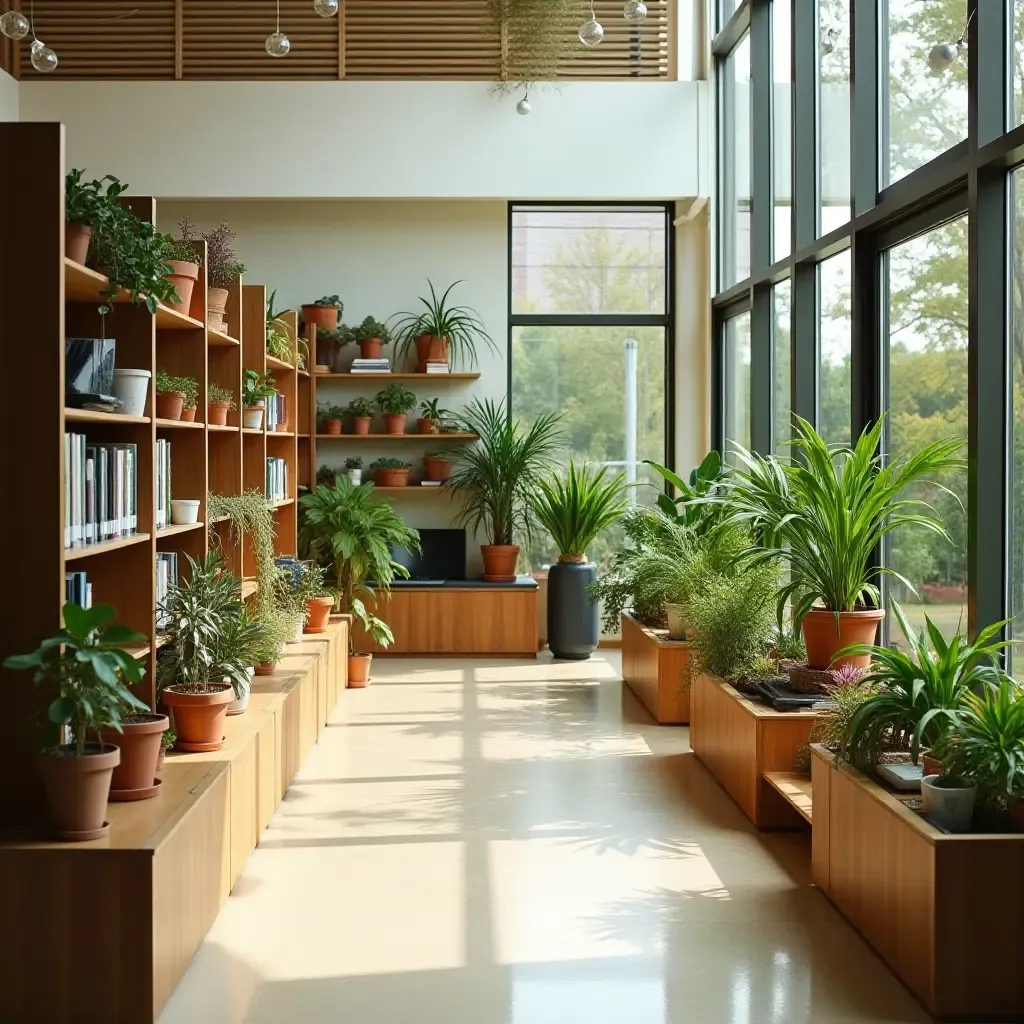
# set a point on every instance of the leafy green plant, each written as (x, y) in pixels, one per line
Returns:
(330, 300)
(762, 667)
(500, 472)
(327, 411)
(223, 268)
(845, 699)
(89, 670)
(395, 400)
(168, 738)
(215, 393)
(789, 644)
(130, 252)
(188, 386)
(370, 329)
(360, 408)
(578, 507)
(695, 507)
(89, 202)
(828, 510)
(239, 646)
(187, 248)
(277, 630)
(276, 330)
(325, 475)
(388, 462)
(460, 325)
(354, 462)
(257, 387)
(431, 410)
(340, 335)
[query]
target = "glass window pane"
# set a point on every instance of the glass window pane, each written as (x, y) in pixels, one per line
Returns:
(581, 260)
(834, 113)
(927, 386)
(927, 108)
(783, 403)
(1017, 62)
(736, 200)
(782, 74)
(1017, 464)
(835, 339)
(725, 11)
(736, 380)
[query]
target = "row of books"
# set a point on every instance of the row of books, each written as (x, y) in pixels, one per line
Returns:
(276, 410)
(163, 483)
(382, 365)
(437, 366)
(77, 589)
(100, 491)
(277, 480)
(166, 576)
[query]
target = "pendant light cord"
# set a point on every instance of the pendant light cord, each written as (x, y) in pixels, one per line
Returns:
(32, 17)
(278, 15)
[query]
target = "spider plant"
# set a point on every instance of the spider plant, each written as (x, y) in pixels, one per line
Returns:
(461, 326)
(921, 691)
(277, 331)
(692, 507)
(576, 508)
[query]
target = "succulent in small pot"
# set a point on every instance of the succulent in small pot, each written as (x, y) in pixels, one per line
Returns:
(389, 472)
(354, 469)
(372, 336)
(360, 410)
(182, 256)
(220, 401)
(329, 418)
(90, 672)
(171, 393)
(276, 630)
(437, 466)
(324, 312)
(395, 402)
(431, 415)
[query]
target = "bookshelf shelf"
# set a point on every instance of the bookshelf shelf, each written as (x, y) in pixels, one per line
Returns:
(438, 439)
(397, 376)
(163, 424)
(103, 547)
(84, 285)
(224, 428)
(283, 503)
(415, 489)
(252, 430)
(91, 416)
(279, 433)
(278, 364)
(168, 320)
(218, 338)
(173, 530)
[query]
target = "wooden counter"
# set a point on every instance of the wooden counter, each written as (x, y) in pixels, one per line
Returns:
(656, 669)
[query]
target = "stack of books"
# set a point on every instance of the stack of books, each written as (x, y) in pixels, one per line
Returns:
(277, 411)
(100, 491)
(163, 483)
(438, 366)
(277, 480)
(166, 577)
(77, 589)
(382, 365)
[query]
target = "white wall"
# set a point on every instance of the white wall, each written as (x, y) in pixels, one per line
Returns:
(8, 97)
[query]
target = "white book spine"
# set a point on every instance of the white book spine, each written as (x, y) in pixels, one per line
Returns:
(67, 489)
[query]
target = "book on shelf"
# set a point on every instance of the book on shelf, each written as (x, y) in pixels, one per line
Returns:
(430, 483)
(163, 483)
(370, 366)
(276, 411)
(433, 366)
(277, 480)
(166, 577)
(100, 491)
(77, 589)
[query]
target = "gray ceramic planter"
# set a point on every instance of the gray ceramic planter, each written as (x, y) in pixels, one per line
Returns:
(573, 622)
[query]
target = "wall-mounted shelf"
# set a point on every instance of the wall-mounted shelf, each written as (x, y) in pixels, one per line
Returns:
(397, 376)
(178, 424)
(226, 428)
(219, 338)
(278, 364)
(438, 439)
(92, 416)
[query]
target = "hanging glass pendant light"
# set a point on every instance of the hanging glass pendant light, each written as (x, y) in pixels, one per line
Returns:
(14, 25)
(523, 106)
(326, 8)
(592, 31)
(635, 11)
(43, 58)
(278, 44)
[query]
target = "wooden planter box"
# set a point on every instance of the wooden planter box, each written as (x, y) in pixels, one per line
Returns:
(655, 669)
(741, 743)
(945, 912)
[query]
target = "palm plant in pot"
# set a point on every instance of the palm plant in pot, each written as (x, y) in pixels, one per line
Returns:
(395, 402)
(90, 672)
(575, 510)
(431, 415)
(345, 528)
(827, 511)
(238, 648)
(499, 474)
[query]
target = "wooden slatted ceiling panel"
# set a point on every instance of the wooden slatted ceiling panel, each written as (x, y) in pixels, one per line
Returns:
(104, 39)
(225, 39)
(627, 51)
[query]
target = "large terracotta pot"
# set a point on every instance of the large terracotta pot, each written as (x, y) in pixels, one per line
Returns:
(359, 670)
(76, 789)
(216, 306)
(319, 614)
(437, 467)
(500, 562)
(139, 743)
(361, 424)
(322, 316)
(430, 348)
(169, 405)
(199, 717)
(394, 422)
(823, 639)
(217, 413)
(371, 348)
(332, 426)
(425, 425)
(76, 242)
(183, 276)
(391, 477)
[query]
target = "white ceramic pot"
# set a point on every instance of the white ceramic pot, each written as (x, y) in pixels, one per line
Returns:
(252, 419)
(953, 809)
(355, 475)
(131, 387)
(239, 704)
(300, 625)
(184, 511)
(677, 624)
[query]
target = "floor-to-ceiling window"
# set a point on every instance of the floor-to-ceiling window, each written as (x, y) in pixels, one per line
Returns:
(835, 346)
(735, 170)
(782, 298)
(736, 375)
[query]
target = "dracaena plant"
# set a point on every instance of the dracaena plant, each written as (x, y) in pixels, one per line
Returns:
(694, 507)
(89, 669)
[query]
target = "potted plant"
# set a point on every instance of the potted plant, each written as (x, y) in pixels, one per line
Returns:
(827, 511)
(294, 587)
(395, 402)
(318, 597)
(183, 260)
(329, 343)
(86, 204)
(256, 389)
(949, 800)
(498, 475)
(324, 312)
(372, 336)
(219, 402)
(329, 418)
(223, 270)
(440, 333)
(167, 740)
(431, 415)
(278, 332)
(437, 466)
(354, 469)
(184, 511)
(325, 475)
(390, 472)
(575, 510)
(190, 387)
(240, 645)
(361, 411)
(345, 528)
(90, 674)
(170, 395)
(277, 630)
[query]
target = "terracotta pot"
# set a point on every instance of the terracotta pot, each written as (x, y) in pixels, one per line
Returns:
(322, 316)
(322, 368)
(391, 477)
(500, 562)
(931, 765)
(426, 425)
(76, 790)
(394, 422)
(361, 424)
(188, 415)
(217, 413)
(266, 668)
(823, 639)
(371, 348)
(160, 758)
(199, 717)
(359, 670)
(139, 742)
(332, 426)
(169, 405)
(76, 242)
(183, 276)
(1017, 814)
(437, 468)
(281, 427)
(430, 348)
(319, 614)
(216, 304)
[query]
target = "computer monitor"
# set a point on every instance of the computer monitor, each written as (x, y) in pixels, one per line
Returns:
(443, 556)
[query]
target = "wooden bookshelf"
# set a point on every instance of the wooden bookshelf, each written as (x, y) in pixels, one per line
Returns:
(352, 377)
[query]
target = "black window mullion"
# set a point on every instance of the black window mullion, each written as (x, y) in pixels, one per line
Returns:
(762, 197)
(868, 110)
(803, 326)
(762, 379)
(806, 185)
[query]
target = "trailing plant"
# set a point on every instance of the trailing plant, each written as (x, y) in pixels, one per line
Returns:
(371, 329)
(461, 326)
(297, 583)
(250, 514)
(130, 252)
(395, 400)
(89, 202)
(538, 38)
(257, 387)
(390, 463)
(695, 506)
(277, 630)
(499, 473)
(359, 408)
(279, 347)
(222, 265)
(215, 393)
(431, 410)
(354, 462)
(90, 670)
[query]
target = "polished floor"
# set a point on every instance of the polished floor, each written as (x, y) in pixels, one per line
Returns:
(505, 842)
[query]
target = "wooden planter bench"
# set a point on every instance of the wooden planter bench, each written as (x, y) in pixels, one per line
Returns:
(655, 669)
(751, 750)
(945, 912)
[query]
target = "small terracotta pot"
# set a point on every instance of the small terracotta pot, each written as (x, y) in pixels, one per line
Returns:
(160, 758)
(823, 639)
(322, 368)
(199, 717)
(216, 305)
(1017, 814)
(319, 614)
(437, 467)
(217, 413)
(169, 405)
(371, 348)
(332, 426)
(281, 427)
(930, 765)
(430, 348)
(361, 424)
(76, 790)
(139, 742)
(266, 668)
(394, 422)
(76, 242)
(183, 276)
(322, 316)
(359, 670)
(425, 425)
(188, 415)
(500, 562)
(391, 477)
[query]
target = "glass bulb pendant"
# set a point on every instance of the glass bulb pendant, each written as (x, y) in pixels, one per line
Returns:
(14, 25)
(942, 56)
(828, 40)
(635, 11)
(523, 106)
(278, 44)
(43, 58)
(326, 8)
(591, 32)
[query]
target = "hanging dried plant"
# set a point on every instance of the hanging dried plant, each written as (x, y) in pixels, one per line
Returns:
(537, 38)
